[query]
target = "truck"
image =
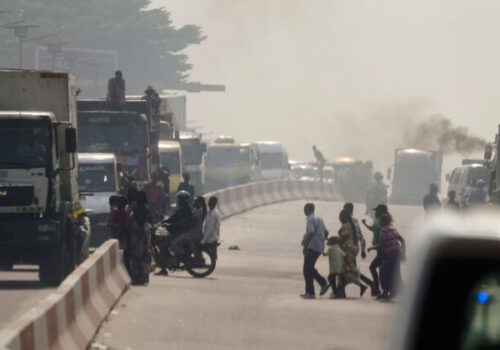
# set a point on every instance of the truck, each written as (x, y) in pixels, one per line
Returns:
(231, 163)
(39, 199)
(193, 151)
(414, 171)
(98, 180)
(274, 160)
(131, 134)
(352, 177)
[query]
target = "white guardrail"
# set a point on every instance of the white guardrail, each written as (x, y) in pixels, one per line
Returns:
(238, 199)
(69, 317)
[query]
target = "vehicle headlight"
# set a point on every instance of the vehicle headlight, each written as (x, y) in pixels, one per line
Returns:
(46, 227)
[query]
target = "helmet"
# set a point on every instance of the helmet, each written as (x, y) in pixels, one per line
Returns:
(183, 199)
(480, 183)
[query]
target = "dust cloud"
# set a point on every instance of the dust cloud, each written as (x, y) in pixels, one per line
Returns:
(356, 78)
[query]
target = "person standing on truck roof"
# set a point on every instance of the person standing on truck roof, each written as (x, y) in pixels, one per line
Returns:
(116, 91)
(185, 185)
(431, 199)
(320, 161)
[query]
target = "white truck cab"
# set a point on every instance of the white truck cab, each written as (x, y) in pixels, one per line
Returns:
(273, 159)
(97, 180)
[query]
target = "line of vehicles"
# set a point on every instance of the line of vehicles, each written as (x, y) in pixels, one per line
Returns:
(61, 159)
(46, 185)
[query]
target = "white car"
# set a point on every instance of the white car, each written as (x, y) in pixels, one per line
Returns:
(304, 172)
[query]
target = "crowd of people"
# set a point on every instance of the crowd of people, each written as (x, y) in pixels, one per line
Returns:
(132, 218)
(343, 249)
(472, 197)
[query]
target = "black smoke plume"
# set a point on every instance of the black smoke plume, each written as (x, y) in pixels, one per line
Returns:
(439, 133)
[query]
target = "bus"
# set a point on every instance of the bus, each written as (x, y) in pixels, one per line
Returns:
(230, 164)
(274, 160)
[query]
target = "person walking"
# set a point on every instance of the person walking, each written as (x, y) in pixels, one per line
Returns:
(377, 261)
(452, 203)
(350, 271)
(320, 162)
(211, 229)
(186, 185)
(376, 194)
(139, 241)
(335, 259)
(393, 247)
(360, 241)
(313, 244)
(431, 200)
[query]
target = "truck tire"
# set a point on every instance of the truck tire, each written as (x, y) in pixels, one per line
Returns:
(52, 266)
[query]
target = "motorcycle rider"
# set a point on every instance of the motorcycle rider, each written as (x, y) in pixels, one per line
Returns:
(181, 221)
(376, 194)
(195, 233)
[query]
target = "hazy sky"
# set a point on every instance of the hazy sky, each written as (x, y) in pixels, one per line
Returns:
(345, 75)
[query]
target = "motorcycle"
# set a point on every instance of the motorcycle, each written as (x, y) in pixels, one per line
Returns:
(197, 259)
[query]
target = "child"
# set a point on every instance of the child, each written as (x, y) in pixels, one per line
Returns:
(335, 257)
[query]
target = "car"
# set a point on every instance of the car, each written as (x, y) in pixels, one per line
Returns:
(304, 172)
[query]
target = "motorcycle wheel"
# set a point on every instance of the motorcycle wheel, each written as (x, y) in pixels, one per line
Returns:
(201, 266)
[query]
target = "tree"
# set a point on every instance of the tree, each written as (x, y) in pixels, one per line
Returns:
(150, 48)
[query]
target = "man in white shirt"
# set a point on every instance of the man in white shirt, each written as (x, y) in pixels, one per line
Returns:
(212, 223)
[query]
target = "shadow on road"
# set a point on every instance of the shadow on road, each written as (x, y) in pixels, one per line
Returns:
(20, 284)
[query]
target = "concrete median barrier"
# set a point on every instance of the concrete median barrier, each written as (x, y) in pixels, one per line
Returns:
(70, 317)
(238, 199)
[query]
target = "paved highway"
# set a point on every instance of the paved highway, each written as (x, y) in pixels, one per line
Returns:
(20, 290)
(251, 301)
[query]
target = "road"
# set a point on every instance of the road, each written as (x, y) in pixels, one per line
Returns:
(252, 299)
(20, 290)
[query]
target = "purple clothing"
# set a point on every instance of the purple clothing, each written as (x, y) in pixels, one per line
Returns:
(390, 270)
(389, 240)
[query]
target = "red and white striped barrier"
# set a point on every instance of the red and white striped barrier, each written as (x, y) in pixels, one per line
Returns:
(69, 317)
(238, 199)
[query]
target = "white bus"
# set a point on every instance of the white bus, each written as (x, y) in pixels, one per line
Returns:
(273, 160)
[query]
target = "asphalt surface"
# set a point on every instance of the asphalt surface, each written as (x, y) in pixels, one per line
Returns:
(20, 290)
(252, 300)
